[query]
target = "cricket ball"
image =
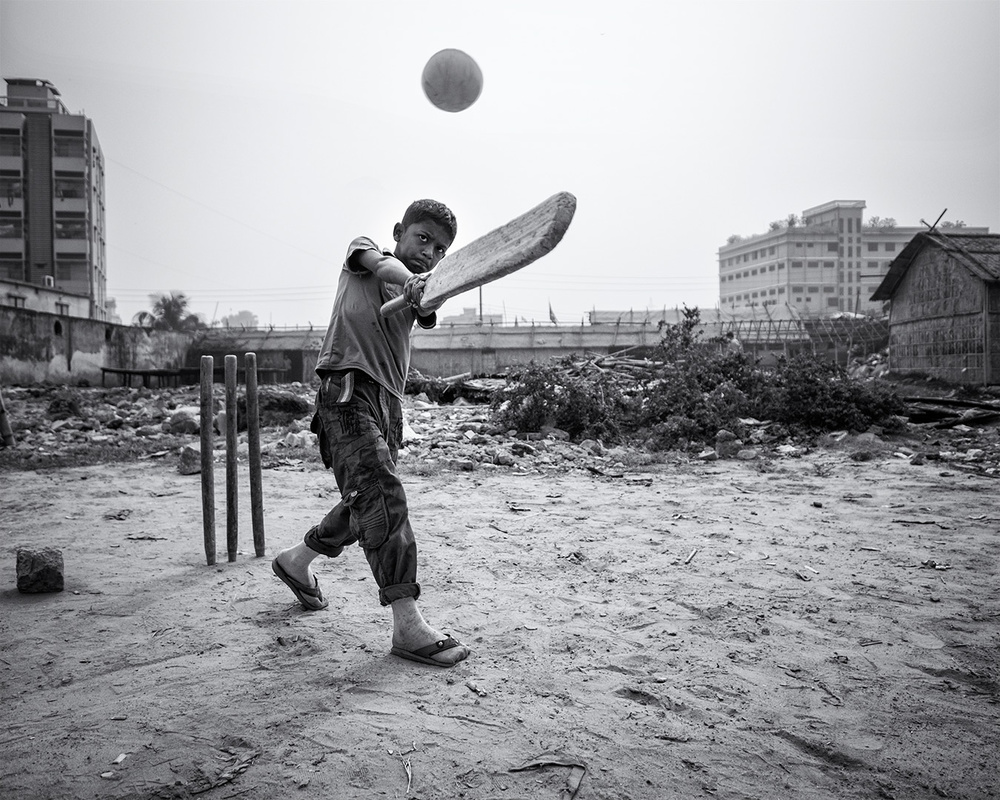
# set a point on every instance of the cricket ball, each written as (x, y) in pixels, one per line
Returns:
(452, 80)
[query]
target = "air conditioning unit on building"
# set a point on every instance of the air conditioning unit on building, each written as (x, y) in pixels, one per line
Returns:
(49, 281)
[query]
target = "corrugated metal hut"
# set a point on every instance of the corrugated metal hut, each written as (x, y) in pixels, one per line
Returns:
(944, 318)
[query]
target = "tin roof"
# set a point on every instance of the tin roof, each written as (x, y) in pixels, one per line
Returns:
(977, 252)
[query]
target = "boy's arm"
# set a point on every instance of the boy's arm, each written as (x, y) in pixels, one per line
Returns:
(390, 269)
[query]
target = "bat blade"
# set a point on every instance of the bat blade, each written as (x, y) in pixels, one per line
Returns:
(500, 252)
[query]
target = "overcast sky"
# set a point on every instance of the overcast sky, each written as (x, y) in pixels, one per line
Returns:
(248, 142)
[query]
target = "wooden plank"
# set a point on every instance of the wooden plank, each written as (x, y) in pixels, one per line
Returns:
(500, 252)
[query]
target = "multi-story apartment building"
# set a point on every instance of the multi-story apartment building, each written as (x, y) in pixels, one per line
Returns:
(52, 226)
(828, 261)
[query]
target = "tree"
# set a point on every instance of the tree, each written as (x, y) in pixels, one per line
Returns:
(169, 313)
(241, 319)
(956, 224)
(778, 225)
(792, 220)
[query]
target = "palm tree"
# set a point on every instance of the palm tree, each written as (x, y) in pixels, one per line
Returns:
(170, 313)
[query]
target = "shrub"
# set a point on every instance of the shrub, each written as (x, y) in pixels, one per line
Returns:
(540, 395)
(690, 390)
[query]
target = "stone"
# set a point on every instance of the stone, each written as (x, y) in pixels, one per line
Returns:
(184, 420)
(727, 448)
(190, 460)
(39, 570)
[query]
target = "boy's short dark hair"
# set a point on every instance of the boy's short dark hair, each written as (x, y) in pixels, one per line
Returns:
(431, 209)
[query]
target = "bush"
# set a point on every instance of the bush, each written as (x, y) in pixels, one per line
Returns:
(688, 392)
(538, 396)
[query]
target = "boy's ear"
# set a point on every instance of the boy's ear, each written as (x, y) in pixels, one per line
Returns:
(397, 231)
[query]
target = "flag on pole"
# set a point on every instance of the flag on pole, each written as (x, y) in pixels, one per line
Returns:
(552, 315)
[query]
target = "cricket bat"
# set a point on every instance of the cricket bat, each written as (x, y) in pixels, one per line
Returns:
(500, 252)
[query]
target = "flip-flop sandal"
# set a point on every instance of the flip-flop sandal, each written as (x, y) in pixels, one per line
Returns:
(310, 597)
(423, 655)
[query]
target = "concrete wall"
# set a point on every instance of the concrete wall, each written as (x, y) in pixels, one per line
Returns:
(48, 348)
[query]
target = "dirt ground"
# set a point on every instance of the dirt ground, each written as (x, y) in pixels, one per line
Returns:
(807, 627)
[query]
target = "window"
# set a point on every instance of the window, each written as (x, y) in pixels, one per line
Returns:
(16, 300)
(850, 225)
(813, 290)
(71, 227)
(796, 265)
(832, 302)
(809, 245)
(841, 224)
(68, 144)
(831, 247)
(11, 187)
(781, 290)
(770, 268)
(753, 272)
(872, 247)
(68, 267)
(872, 265)
(69, 187)
(813, 264)
(827, 265)
(890, 247)
(12, 269)
(10, 144)
(770, 250)
(781, 265)
(63, 309)
(11, 226)
(796, 290)
(827, 290)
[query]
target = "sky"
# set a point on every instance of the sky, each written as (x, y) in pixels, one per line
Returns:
(247, 143)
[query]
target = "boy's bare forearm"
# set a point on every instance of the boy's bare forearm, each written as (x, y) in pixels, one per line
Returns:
(386, 268)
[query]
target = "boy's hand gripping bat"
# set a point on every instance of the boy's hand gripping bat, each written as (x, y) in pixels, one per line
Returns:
(500, 252)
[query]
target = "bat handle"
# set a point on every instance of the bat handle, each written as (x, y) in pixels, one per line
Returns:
(394, 306)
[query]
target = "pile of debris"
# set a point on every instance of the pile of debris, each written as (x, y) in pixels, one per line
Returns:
(59, 426)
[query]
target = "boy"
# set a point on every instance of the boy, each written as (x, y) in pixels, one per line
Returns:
(359, 419)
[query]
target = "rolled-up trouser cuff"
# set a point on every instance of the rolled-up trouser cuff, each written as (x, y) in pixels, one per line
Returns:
(315, 542)
(390, 594)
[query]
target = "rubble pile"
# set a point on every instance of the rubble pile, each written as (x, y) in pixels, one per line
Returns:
(62, 426)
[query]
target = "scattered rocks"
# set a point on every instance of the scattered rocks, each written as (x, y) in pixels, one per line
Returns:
(39, 570)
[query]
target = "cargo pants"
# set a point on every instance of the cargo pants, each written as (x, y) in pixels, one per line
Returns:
(360, 428)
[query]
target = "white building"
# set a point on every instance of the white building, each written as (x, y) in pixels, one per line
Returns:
(829, 261)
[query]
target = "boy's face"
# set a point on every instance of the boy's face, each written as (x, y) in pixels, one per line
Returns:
(421, 245)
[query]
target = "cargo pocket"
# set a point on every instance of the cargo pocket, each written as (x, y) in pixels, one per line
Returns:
(369, 515)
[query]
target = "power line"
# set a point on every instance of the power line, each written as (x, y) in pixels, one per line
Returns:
(220, 213)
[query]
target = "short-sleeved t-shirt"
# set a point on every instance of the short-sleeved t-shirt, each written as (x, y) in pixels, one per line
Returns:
(358, 336)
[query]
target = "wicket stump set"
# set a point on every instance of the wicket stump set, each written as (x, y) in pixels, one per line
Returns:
(207, 452)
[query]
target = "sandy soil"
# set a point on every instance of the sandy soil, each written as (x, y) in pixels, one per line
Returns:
(802, 627)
